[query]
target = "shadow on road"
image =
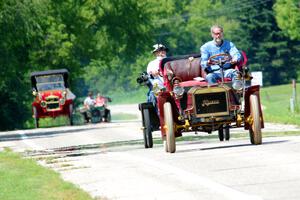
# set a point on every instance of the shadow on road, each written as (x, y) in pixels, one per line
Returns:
(229, 146)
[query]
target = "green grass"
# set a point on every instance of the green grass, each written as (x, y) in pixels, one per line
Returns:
(58, 121)
(276, 100)
(23, 179)
(136, 96)
(123, 116)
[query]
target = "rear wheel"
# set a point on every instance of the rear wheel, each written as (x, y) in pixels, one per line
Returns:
(35, 117)
(221, 133)
(148, 140)
(227, 133)
(169, 126)
(108, 118)
(255, 126)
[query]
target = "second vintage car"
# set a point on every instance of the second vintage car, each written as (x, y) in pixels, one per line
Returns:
(53, 97)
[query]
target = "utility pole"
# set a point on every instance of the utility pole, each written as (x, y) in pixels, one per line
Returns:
(293, 100)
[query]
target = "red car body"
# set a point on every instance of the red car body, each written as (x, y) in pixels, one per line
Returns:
(52, 95)
(202, 107)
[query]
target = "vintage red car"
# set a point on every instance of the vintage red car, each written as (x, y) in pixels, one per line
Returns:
(189, 104)
(53, 97)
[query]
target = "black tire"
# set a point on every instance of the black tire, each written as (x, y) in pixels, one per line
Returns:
(108, 118)
(35, 117)
(221, 133)
(227, 133)
(169, 124)
(148, 140)
(255, 126)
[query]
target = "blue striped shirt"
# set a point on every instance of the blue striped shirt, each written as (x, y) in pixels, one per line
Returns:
(210, 48)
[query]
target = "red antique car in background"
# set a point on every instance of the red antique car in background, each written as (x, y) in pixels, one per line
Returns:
(52, 95)
(189, 104)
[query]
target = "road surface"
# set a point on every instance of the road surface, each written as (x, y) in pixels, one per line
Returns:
(108, 160)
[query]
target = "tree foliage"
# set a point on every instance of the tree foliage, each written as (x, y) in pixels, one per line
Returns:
(106, 44)
(288, 17)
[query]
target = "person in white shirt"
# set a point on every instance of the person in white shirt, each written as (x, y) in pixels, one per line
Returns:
(89, 101)
(160, 52)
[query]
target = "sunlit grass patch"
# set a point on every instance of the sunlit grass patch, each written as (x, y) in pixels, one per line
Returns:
(24, 179)
(276, 103)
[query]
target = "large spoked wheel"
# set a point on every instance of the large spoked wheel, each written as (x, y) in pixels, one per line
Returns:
(71, 114)
(35, 117)
(148, 140)
(255, 126)
(169, 126)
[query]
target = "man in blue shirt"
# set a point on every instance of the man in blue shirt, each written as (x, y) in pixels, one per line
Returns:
(218, 46)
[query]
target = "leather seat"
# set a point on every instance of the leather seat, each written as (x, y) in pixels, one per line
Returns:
(183, 68)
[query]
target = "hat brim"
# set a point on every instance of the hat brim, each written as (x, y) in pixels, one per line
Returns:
(160, 49)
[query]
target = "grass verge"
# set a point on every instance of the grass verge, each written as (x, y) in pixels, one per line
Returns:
(23, 179)
(276, 102)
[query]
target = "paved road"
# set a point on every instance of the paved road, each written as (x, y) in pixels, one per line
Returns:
(108, 160)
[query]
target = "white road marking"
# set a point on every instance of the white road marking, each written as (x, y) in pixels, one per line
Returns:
(188, 177)
(29, 143)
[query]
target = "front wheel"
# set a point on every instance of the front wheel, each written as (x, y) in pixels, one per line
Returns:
(165, 145)
(255, 126)
(148, 140)
(35, 117)
(169, 127)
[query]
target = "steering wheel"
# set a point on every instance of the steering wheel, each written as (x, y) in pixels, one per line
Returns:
(219, 59)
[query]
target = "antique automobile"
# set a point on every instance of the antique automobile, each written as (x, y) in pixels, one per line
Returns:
(53, 97)
(189, 104)
(98, 112)
(149, 112)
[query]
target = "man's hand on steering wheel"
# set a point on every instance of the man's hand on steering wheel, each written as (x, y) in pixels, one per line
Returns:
(233, 62)
(219, 59)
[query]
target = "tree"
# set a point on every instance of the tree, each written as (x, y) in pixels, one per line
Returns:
(266, 46)
(19, 31)
(287, 13)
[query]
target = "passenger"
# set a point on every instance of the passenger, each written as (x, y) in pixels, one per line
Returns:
(160, 52)
(88, 103)
(101, 101)
(218, 46)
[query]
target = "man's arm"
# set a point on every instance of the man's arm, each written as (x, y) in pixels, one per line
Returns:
(234, 52)
(204, 58)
